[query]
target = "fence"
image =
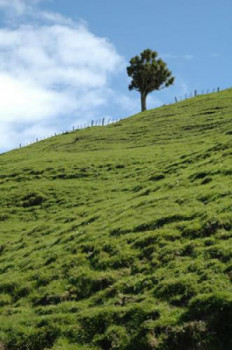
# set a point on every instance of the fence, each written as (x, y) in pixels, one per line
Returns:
(104, 121)
(92, 123)
(195, 93)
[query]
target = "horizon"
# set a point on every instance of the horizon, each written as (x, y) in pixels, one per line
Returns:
(104, 122)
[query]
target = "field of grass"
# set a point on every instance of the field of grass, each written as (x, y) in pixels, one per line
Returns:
(119, 237)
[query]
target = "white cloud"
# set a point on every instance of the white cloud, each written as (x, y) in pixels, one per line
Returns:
(215, 55)
(26, 101)
(179, 57)
(188, 57)
(49, 70)
(19, 7)
(62, 55)
(54, 17)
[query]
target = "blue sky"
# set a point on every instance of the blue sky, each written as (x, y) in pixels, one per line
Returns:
(63, 63)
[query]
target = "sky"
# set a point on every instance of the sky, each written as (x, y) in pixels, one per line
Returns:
(63, 63)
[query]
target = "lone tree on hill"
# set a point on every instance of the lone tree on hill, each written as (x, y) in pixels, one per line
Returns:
(148, 73)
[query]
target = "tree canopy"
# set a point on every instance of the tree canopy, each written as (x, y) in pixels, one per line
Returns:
(148, 73)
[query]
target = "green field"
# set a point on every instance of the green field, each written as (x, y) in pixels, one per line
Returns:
(119, 237)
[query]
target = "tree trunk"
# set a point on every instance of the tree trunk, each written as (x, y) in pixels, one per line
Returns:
(143, 102)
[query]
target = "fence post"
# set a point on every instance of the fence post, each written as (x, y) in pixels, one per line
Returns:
(218, 89)
(176, 99)
(195, 93)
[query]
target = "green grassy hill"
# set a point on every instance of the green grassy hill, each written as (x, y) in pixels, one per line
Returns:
(119, 237)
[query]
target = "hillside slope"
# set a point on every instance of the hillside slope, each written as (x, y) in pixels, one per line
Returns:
(119, 237)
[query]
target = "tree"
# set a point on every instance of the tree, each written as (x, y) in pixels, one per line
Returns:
(148, 73)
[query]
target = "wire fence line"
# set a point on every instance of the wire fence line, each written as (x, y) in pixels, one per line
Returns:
(195, 93)
(108, 121)
(92, 123)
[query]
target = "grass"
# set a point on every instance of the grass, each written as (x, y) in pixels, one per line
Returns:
(119, 237)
